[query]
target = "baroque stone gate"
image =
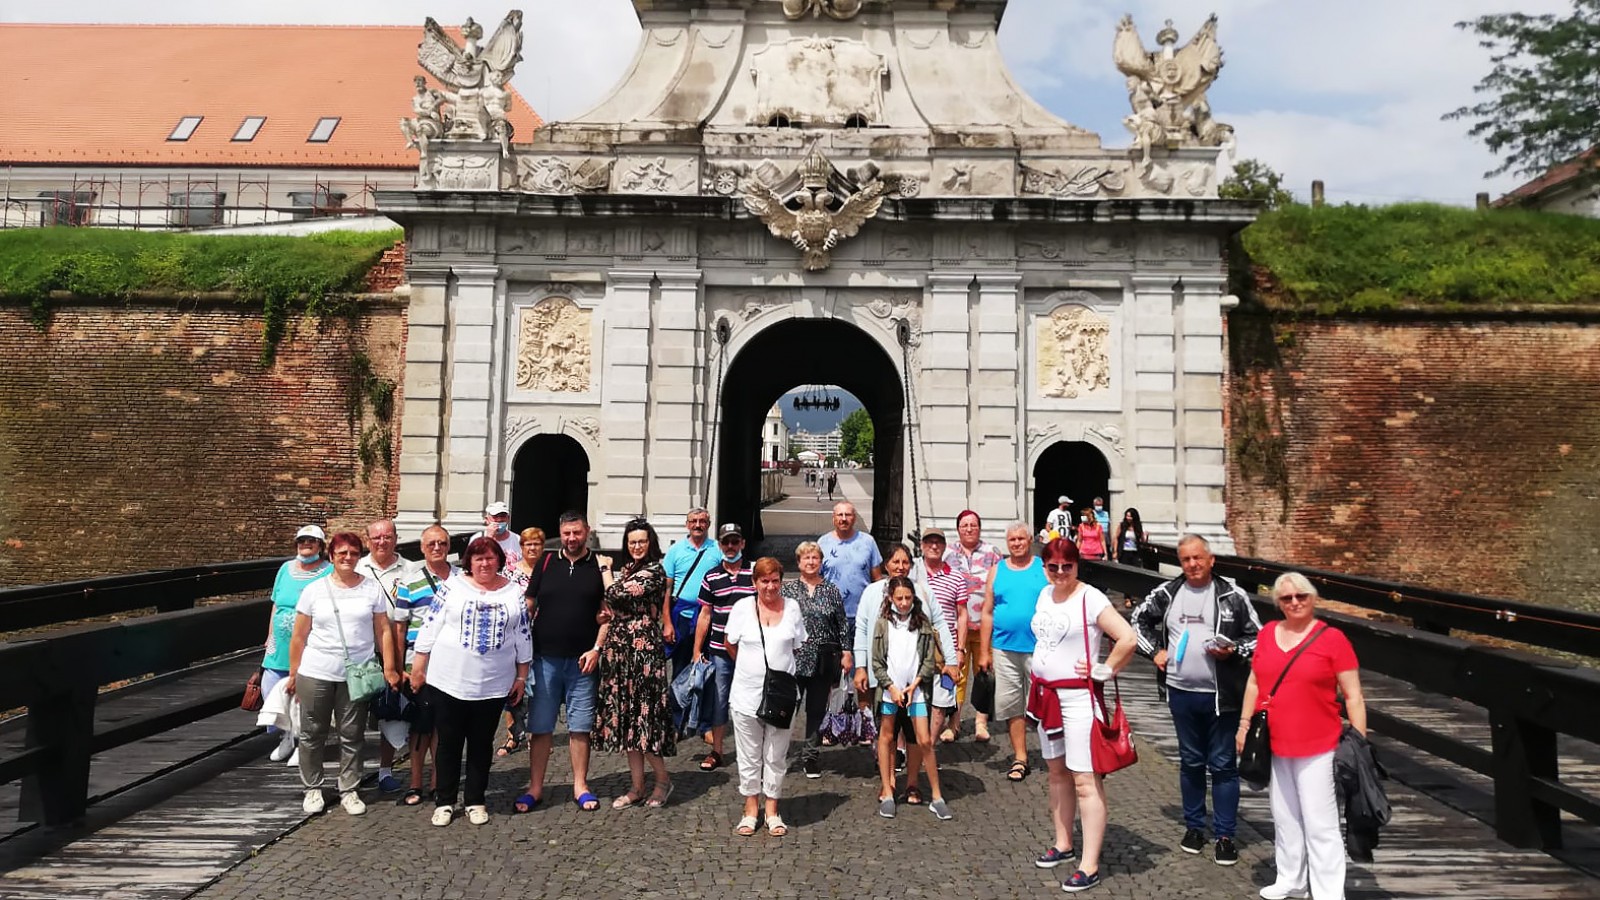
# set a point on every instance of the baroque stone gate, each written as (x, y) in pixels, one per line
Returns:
(814, 191)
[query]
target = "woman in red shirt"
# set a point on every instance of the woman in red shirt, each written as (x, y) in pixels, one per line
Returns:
(1091, 537)
(1304, 714)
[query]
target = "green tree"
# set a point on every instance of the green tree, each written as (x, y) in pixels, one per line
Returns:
(794, 451)
(1544, 84)
(855, 437)
(1253, 179)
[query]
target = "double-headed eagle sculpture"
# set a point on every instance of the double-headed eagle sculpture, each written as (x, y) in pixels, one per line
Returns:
(813, 217)
(476, 103)
(1167, 87)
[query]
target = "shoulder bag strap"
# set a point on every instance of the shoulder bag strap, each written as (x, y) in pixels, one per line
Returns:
(328, 583)
(762, 631)
(1304, 646)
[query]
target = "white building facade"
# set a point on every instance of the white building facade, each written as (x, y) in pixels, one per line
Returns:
(604, 318)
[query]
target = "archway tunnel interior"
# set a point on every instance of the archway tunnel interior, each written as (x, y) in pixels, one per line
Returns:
(549, 475)
(1074, 468)
(789, 355)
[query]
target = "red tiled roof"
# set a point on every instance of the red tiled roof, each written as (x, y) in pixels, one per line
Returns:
(112, 94)
(1585, 163)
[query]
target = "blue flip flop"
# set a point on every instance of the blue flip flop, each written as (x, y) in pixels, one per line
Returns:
(529, 803)
(584, 799)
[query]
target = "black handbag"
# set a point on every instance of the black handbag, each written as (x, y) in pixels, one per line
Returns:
(982, 692)
(780, 691)
(1255, 760)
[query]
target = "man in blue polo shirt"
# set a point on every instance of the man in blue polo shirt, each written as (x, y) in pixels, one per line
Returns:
(686, 563)
(850, 559)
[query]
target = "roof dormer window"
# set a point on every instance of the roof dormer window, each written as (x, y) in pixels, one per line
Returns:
(185, 128)
(249, 128)
(324, 130)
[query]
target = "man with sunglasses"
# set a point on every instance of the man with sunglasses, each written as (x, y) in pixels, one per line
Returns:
(1200, 630)
(723, 586)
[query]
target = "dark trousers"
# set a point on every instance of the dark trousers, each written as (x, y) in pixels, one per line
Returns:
(815, 688)
(1205, 744)
(463, 722)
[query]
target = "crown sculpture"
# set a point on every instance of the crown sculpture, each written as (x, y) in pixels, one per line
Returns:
(810, 214)
(476, 104)
(1167, 88)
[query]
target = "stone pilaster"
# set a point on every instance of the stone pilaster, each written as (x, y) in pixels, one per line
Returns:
(624, 401)
(674, 443)
(1155, 437)
(1202, 470)
(944, 431)
(470, 440)
(422, 411)
(997, 459)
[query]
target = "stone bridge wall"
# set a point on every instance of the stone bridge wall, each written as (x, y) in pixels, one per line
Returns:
(1458, 454)
(137, 437)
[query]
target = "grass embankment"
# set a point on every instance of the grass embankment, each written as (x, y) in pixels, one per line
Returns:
(313, 274)
(1356, 259)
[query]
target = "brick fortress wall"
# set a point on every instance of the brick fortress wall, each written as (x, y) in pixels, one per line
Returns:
(1456, 454)
(137, 437)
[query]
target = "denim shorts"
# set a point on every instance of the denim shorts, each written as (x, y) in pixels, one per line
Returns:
(558, 681)
(721, 686)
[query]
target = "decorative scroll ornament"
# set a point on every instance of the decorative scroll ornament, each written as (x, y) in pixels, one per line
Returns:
(838, 9)
(819, 212)
(1037, 434)
(516, 425)
(553, 347)
(1074, 353)
(1112, 435)
(1167, 88)
(477, 101)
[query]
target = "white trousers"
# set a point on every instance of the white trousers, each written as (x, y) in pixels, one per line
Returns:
(1306, 842)
(762, 752)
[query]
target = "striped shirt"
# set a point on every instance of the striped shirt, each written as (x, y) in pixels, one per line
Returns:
(414, 597)
(719, 593)
(948, 589)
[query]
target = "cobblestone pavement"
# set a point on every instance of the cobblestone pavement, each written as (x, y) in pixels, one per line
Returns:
(837, 845)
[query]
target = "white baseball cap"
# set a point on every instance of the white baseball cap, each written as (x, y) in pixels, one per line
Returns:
(497, 508)
(1063, 499)
(311, 531)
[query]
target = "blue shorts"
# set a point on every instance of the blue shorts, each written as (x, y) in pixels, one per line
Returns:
(557, 681)
(721, 686)
(918, 710)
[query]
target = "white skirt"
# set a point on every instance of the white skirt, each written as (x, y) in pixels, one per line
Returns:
(1078, 713)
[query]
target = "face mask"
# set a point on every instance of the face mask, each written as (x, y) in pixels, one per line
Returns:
(308, 558)
(500, 528)
(734, 558)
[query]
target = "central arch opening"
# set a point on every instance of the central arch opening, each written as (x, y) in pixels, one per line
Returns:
(794, 354)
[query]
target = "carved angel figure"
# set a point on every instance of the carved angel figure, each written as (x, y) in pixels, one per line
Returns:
(1167, 87)
(475, 73)
(813, 218)
(838, 9)
(428, 125)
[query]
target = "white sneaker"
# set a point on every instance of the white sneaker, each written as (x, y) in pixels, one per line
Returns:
(284, 748)
(314, 802)
(478, 815)
(294, 758)
(441, 816)
(1279, 892)
(352, 804)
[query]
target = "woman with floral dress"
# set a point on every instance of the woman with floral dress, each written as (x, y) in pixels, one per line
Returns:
(633, 713)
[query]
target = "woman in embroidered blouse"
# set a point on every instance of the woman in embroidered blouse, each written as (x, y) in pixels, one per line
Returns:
(472, 655)
(823, 657)
(633, 713)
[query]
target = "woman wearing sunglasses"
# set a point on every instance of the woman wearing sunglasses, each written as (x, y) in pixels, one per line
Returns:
(1307, 847)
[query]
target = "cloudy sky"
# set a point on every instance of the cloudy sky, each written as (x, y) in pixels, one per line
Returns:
(1349, 91)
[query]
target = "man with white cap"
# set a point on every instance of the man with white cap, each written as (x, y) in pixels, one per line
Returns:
(497, 525)
(1060, 519)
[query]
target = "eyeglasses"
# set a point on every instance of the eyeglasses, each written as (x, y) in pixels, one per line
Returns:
(435, 543)
(731, 541)
(340, 554)
(1060, 567)
(1295, 598)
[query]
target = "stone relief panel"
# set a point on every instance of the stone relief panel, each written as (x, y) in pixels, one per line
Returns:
(1075, 180)
(554, 347)
(974, 178)
(1074, 352)
(464, 172)
(658, 175)
(554, 175)
(818, 80)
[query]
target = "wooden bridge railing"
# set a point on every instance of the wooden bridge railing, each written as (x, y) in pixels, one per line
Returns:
(1530, 699)
(57, 677)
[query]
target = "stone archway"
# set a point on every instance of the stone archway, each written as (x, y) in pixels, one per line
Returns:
(549, 475)
(798, 352)
(1075, 468)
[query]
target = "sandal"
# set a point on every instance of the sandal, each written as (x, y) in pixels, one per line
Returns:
(1019, 771)
(413, 797)
(625, 801)
(747, 826)
(947, 736)
(511, 746)
(913, 797)
(981, 734)
(712, 761)
(527, 803)
(775, 826)
(587, 802)
(659, 796)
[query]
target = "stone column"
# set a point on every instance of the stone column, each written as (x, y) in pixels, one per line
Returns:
(1202, 470)
(674, 445)
(469, 437)
(624, 401)
(1154, 444)
(944, 400)
(423, 407)
(997, 458)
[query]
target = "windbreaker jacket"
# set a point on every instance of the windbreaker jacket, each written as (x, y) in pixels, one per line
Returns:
(1358, 781)
(1236, 619)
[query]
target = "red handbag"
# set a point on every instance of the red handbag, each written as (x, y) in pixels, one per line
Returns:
(251, 702)
(1110, 738)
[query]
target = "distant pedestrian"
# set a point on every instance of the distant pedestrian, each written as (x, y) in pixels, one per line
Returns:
(309, 564)
(850, 559)
(833, 483)
(762, 635)
(1102, 515)
(1058, 522)
(1007, 640)
(1129, 546)
(1091, 537)
(497, 525)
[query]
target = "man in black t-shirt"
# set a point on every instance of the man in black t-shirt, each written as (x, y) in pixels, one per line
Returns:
(564, 594)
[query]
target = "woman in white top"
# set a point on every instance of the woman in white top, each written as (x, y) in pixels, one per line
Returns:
(1068, 620)
(344, 616)
(763, 633)
(472, 654)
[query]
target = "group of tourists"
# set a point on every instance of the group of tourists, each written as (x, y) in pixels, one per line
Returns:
(639, 651)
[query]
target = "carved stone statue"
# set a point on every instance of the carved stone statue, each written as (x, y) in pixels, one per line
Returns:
(1074, 353)
(476, 74)
(428, 125)
(838, 9)
(553, 347)
(812, 216)
(1167, 87)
